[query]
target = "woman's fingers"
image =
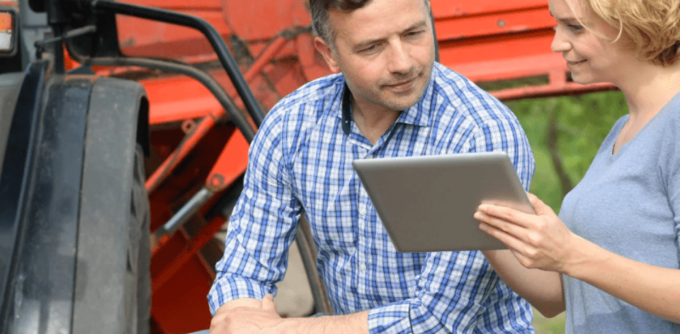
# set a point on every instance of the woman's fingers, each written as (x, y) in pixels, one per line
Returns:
(507, 239)
(506, 214)
(500, 224)
(515, 231)
(516, 238)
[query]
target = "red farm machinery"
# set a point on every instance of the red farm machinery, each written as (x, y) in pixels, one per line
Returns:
(188, 81)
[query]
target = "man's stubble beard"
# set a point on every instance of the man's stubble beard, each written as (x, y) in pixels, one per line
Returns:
(379, 94)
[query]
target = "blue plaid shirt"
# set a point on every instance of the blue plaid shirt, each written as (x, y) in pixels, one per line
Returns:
(300, 162)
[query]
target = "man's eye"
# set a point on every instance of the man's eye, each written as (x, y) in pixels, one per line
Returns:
(370, 49)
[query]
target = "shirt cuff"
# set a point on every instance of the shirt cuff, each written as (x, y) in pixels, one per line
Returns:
(390, 319)
(231, 288)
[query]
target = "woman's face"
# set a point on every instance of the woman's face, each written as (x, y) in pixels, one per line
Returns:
(590, 58)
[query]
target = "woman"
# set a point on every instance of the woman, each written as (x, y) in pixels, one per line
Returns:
(612, 257)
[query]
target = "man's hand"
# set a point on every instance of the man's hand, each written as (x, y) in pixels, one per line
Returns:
(246, 317)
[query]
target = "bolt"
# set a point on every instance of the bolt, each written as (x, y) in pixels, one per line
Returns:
(217, 182)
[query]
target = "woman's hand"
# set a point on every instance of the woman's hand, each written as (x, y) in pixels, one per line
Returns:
(538, 241)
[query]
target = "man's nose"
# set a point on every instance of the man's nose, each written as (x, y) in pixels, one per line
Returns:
(400, 61)
(559, 43)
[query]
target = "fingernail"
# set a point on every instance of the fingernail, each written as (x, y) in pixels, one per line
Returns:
(483, 227)
(483, 208)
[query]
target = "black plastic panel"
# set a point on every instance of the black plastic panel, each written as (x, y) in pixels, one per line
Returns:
(10, 85)
(43, 279)
(14, 180)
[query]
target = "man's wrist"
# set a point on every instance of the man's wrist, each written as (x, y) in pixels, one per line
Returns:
(293, 326)
(241, 302)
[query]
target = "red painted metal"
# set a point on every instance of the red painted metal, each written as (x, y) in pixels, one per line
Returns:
(190, 247)
(460, 27)
(206, 123)
(140, 37)
(230, 165)
(272, 17)
(452, 8)
(180, 282)
(179, 299)
(186, 146)
(178, 5)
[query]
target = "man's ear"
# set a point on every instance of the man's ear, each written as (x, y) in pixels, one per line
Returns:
(328, 55)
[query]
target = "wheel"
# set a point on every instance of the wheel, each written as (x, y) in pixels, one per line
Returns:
(139, 220)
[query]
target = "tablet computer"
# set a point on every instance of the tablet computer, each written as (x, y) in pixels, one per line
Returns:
(427, 203)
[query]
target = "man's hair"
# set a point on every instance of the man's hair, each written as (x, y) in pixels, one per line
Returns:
(652, 25)
(319, 9)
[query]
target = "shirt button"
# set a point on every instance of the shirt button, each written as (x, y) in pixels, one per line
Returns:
(362, 267)
(370, 156)
(362, 210)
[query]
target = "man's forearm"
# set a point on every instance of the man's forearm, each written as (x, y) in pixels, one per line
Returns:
(248, 315)
(340, 324)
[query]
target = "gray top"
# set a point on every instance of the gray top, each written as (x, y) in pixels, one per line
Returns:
(627, 204)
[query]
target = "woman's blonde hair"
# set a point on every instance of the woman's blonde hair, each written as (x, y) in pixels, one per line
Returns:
(652, 25)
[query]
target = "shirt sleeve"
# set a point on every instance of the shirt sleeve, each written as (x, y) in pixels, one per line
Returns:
(669, 165)
(458, 292)
(262, 225)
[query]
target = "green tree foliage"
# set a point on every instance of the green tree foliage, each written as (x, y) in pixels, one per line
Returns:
(573, 128)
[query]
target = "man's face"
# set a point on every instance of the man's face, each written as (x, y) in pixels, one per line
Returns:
(385, 51)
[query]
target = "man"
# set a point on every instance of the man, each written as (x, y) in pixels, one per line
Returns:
(390, 99)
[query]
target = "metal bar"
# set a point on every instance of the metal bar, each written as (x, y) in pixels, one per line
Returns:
(305, 242)
(69, 34)
(183, 215)
(228, 105)
(267, 54)
(231, 164)
(186, 146)
(206, 123)
(208, 31)
(569, 88)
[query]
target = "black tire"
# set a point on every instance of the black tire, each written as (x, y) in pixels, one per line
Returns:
(113, 288)
(139, 218)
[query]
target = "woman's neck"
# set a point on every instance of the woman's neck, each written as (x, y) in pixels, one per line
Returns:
(648, 88)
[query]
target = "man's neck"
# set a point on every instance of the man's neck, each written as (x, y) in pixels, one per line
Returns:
(373, 121)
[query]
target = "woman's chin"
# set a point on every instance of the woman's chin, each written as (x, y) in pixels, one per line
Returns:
(583, 79)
